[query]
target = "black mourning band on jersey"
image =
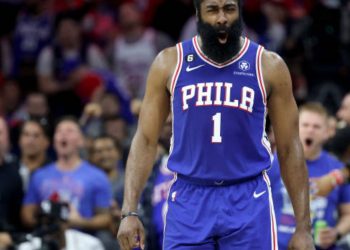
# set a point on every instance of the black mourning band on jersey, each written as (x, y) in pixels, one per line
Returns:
(124, 215)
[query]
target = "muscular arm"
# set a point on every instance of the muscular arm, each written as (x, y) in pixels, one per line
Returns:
(284, 117)
(154, 111)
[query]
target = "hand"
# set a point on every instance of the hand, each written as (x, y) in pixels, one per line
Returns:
(131, 233)
(5, 240)
(327, 237)
(301, 240)
(322, 186)
(75, 218)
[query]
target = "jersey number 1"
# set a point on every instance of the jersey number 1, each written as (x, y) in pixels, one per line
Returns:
(216, 138)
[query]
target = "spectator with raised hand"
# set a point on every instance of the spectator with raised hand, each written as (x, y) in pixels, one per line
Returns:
(74, 180)
(65, 68)
(134, 50)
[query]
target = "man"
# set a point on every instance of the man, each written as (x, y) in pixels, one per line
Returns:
(313, 128)
(344, 111)
(11, 192)
(107, 155)
(134, 49)
(72, 180)
(33, 143)
(218, 87)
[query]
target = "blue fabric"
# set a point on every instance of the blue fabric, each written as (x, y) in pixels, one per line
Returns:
(241, 153)
(85, 187)
(322, 208)
(220, 218)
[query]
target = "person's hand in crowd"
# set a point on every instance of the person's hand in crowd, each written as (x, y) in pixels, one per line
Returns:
(327, 237)
(5, 240)
(321, 186)
(135, 106)
(74, 218)
(91, 110)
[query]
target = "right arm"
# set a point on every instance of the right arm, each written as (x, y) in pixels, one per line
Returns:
(154, 111)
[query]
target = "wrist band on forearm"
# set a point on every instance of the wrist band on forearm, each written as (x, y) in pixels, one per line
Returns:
(124, 215)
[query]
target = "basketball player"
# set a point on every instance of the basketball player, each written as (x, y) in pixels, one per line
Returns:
(218, 87)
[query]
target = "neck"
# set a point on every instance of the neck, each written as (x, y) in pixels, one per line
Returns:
(33, 162)
(312, 154)
(68, 162)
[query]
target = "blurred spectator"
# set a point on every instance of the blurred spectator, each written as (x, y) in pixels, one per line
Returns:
(276, 32)
(66, 66)
(100, 22)
(340, 144)
(12, 97)
(335, 208)
(72, 180)
(344, 111)
(11, 191)
(134, 50)
(33, 143)
(107, 155)
(116, 127)
(108, 105)
(32, 33)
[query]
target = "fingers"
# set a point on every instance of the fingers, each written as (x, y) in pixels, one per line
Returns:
(142, 239)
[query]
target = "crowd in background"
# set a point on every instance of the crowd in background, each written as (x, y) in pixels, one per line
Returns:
(89, 59)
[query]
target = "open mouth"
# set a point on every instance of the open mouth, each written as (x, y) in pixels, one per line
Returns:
(64, 143)
(308, 142)
(222, 37)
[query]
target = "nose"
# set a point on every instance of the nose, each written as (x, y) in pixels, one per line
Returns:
(222, 19)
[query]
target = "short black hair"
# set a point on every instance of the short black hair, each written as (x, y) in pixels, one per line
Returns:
(41, 122)
(116, 144)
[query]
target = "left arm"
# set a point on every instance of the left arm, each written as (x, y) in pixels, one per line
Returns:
(283, 113)
(101, 220)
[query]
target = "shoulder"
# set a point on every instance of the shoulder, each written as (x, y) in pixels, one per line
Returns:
(332, 160)
(93, 171)
(275, 70)
(45, 171)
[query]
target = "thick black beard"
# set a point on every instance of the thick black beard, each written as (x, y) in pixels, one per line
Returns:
(211, 46)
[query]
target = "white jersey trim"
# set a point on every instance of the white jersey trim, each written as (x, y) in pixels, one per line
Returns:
(167, 206)
(215, 64)
(274, 242)
(261, 84)
(177, 68)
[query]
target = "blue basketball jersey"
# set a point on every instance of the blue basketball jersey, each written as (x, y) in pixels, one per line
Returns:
(219, 113)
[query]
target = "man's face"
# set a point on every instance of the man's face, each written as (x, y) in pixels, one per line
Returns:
(67, 139)
(105, 154)
(344, 110)
(313, 130)
(37, 105)
(32, 140)
(68, 33)
(4, 138)
(220, 28)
